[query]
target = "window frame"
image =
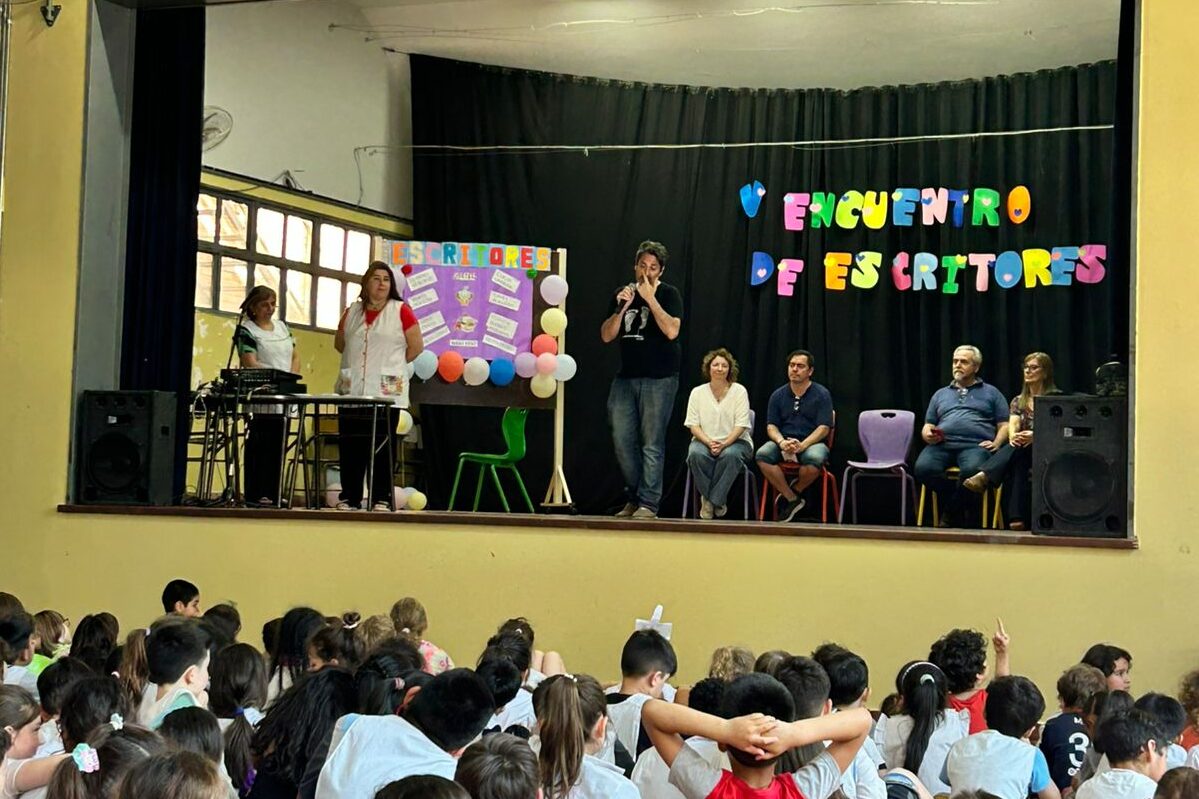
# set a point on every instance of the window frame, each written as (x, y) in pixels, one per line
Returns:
(253, 259)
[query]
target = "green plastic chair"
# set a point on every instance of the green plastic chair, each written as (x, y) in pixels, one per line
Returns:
(513, 426)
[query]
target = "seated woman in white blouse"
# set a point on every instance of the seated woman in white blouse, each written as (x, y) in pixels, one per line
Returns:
(721, 445)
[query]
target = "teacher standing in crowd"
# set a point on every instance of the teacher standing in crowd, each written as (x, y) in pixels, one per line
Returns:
(264, 342)
(378, 337)
(645, 316)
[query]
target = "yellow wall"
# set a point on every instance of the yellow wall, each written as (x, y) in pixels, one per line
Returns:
(582, 589)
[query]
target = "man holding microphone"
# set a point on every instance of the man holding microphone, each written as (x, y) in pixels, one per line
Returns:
(646, 317)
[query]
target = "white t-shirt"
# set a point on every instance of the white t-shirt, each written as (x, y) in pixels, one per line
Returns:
(625, 718)
(600, 780)
(519, 711)
(1192, 760)
(1175, 756)
(23, 677)
(997, 763)
(8, 777)
(49, 739)
(368, 752)
(861, 779)
(651, 775)
(1117, 783)
(951, 728)
(696, 778)
(152, 711)
(717, 419)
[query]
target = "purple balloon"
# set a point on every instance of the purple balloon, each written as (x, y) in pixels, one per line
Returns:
(526, 364)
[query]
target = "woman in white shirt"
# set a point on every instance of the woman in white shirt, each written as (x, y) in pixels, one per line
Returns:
(264, 342)
(378, 337)
(721, 445)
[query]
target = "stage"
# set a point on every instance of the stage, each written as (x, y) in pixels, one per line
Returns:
(567, 522)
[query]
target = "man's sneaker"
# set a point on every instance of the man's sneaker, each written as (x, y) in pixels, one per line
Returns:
(705, 508)
(645, 513)
(628, 510)
(790, 509)
(721, 510)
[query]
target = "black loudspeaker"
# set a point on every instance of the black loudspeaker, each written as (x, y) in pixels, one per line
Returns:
(125, 452)
(1080, 466)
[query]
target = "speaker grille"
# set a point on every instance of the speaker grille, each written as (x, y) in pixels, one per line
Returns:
(1078, 486)
(114, 463)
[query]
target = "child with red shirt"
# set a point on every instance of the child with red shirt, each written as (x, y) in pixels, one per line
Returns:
(962, 656)
(759, 729)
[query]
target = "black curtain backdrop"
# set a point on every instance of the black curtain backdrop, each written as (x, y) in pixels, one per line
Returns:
(164, 182)
(877, 348)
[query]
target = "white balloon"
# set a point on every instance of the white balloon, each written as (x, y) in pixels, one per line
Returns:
(476, 371)
(425, 365)
(567, 367)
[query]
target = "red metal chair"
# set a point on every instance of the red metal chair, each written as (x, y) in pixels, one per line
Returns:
(828, 485)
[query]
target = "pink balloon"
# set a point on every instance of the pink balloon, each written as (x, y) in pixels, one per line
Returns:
(526, 364)
(544, 343)
(547, 362)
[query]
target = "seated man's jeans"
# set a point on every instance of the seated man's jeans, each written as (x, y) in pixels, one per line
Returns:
(815, 455)
(934, 459)
(639, 410)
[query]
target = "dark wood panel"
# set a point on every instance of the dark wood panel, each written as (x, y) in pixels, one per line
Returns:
(569, 522)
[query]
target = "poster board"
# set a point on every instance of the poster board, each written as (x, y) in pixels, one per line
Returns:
(483, 300)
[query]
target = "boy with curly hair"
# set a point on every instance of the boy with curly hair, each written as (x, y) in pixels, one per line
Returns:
(962, 656)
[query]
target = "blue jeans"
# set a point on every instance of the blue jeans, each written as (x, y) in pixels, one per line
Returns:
(815, 455)
(639, 409)
(714, 474)
(936, 458)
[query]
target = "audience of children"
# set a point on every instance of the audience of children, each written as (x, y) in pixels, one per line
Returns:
(363, 708)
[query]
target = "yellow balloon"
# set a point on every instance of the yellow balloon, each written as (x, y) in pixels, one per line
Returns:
(405, 423)
(553, 321)
(417, 501)
(543, 386)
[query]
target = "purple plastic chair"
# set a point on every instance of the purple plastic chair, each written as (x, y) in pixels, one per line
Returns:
(691, 496)
(885, 436)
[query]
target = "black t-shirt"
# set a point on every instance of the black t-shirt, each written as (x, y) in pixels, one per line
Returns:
(644, 349)
(1064, 743)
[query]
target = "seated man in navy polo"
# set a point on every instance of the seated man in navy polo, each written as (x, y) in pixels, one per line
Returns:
(798, 420)
(966, 421)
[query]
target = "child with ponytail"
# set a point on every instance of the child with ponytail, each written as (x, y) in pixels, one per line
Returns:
(339, 644)
(572, 720)
(237, 696)
(97, 766)
(20, 719)
(919, 738)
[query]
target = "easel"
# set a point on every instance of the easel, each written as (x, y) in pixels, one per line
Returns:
(557, 493)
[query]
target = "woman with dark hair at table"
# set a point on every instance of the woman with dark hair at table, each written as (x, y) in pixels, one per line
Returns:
(264, 342)
(378, 337)
(1011, 463)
